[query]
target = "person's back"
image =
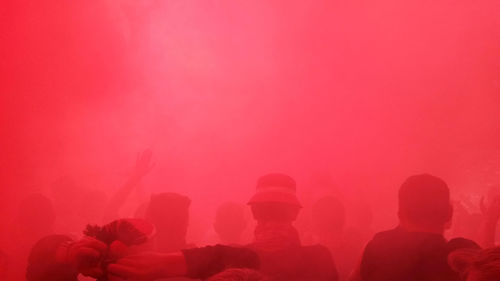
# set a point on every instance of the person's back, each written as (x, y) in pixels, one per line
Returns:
(35, 219)
(401, 255)
(169, 212)
(416, 249)
(275, 208)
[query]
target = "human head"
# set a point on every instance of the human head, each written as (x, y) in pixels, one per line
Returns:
(328, 216)
(169, 212)
(66, 194)
(424, 202)
(477, 265)
(275, 199)
(36, 216)
(239, 274)
(230, 222)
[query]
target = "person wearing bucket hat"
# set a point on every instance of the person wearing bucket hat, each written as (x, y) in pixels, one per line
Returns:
(278, 188)
(275, 207)
(275, 200)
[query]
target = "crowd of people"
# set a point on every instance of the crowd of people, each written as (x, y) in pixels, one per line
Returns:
(153, 245)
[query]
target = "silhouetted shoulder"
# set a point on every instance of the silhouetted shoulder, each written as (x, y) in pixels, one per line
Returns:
(319, 259)
(387, 234)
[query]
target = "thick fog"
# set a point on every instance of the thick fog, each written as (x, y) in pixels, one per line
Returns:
(347, 97)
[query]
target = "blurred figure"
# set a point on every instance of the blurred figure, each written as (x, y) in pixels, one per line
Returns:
(143, 166)
(59, 258)
(93, 205)
(490, 214)
(329, 225)
(361, 221)
(328, 220)
(275, 207)
(169, 213)
(239, 274)
(110, 253)
(466, 222)
(62, 258)
(477, 265)
(230, 222)
(67, 196)
(34, 220)
(416, 249)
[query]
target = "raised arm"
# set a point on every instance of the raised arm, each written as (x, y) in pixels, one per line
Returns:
(143, 166)
(491, 214)
(198, 263)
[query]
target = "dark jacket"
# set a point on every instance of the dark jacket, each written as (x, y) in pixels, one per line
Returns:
(398, 255)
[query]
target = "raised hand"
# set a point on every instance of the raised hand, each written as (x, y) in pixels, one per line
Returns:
(492, 211)
(143, 163)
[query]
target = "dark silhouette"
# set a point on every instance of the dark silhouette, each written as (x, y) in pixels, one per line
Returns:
(416, 249)
(35, 219)
(275, 207)
(329, 225)
(169, 213)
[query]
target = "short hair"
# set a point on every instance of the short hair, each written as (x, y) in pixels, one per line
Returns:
(425, 200)
(329, 212)
(483, 264)
(37, 209)
(168, 210)
(487, 265)
(239, 274)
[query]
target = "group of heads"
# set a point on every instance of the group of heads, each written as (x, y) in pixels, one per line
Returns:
(424, 203)
(274, 200)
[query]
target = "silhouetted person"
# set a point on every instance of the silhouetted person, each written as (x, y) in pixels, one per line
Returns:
(111, 253)
(275, 207)
(230, 222)
(169, 212)
(67, 196)
(328, 219)
(91, 210)
(143, 166)
(416, 249)
(34, 220)
(490, 215)
(329, 225)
